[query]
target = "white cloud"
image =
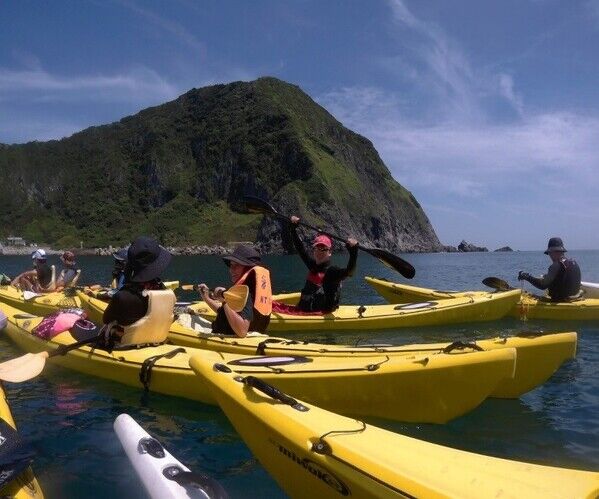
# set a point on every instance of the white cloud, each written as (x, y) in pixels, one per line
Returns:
(464, 158)
(444, 70)
(506, 88)
(137, 84)
(524, 175)
(168, 26)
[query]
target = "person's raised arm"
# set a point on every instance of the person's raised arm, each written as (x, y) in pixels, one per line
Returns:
(339, 274)
(298, 244)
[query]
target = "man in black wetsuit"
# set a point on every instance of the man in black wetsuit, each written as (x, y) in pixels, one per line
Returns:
(562, 280)
(322, 290)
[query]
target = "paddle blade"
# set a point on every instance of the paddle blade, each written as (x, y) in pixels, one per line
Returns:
(257, 205)
(393, 261)
(496, 283)
(29, 295)
(23, 368)
(236, 297)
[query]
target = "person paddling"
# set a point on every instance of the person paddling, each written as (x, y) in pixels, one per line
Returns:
(142, 311)
(322, 290)
(38, 280)
(245, 267)
(562, 279)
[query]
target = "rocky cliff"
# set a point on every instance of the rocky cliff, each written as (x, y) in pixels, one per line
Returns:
(179, 170)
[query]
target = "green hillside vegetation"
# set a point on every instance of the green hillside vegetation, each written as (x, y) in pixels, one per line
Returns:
(178, 171)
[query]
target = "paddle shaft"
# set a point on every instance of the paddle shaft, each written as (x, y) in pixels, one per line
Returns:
(374, 252)
(258, 205)
(64, 349)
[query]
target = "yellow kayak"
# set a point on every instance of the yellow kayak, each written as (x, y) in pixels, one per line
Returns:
(97, 290)
(42, 304)
(527, 307)
(485, 307)
(403, 293)
(311, 452)
(538, 307)
(25, 485)
(47, 303)
(419, 388)
(538, 356)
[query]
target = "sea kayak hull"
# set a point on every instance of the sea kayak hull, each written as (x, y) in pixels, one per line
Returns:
(25, 485)
(311, 452)
(484, 307)
(539, 356)
(528, 306)
(417, 388)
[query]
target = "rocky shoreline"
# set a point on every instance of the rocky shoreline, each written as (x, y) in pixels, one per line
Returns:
(463, 247)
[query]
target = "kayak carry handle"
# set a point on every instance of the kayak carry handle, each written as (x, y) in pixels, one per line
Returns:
(206, 486)
(461, 345)
(261, 348)
(273, 392)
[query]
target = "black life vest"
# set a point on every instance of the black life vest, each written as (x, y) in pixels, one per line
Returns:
(314, 298)
(567, 282)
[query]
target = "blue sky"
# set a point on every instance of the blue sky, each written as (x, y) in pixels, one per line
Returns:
(487, 111)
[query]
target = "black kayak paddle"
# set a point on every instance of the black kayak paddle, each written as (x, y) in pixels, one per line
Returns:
(257, 205)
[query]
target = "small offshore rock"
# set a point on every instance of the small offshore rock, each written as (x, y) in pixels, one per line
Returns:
(465, 247)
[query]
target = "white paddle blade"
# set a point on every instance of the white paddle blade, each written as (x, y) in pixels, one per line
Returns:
(28, 295)
(23, 368)
(236, 297)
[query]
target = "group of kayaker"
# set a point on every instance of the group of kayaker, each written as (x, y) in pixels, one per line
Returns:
(42, 278)
(137, 274)
(139, 292)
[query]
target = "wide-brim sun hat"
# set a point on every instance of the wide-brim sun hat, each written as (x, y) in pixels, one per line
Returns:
(147, 259)
(243, 255)
(555, 244)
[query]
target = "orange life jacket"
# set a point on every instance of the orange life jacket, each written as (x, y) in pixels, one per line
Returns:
(263, 291)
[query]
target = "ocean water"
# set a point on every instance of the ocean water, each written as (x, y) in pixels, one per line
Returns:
(67, 417)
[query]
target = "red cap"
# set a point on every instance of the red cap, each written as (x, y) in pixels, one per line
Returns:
(322, 240)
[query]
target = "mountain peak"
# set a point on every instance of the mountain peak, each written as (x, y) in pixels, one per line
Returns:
(179, 170)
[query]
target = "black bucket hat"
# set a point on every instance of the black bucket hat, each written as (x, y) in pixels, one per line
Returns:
(243, 255)
(555, 244)
(147, 259)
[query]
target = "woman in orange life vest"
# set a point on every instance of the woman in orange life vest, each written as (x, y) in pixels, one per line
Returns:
(322, 290)
(245, 267)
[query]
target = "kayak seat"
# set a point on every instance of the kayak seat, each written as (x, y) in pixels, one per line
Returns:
(154, 326)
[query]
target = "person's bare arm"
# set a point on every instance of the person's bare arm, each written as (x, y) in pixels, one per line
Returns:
(213, 303)
(240, 325)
